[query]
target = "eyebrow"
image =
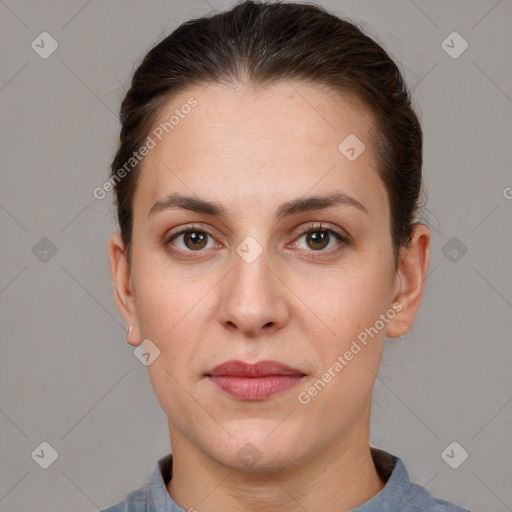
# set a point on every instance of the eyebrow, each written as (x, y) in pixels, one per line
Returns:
(295, 206)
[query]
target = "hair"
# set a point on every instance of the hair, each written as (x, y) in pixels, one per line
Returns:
(261, 43)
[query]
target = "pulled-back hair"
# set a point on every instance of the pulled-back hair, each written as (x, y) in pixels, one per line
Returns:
(261, 43)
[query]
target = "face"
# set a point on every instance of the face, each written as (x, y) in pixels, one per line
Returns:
(252, 268)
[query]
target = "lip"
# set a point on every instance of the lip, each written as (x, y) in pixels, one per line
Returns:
(254, 381)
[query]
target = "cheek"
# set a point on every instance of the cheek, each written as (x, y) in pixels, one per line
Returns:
(353, 301)
(350, 343)
(164, 293)
(172, 315)
(171, 311)
(348, 348)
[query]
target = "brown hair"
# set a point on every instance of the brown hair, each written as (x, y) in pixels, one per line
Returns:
(261, 43)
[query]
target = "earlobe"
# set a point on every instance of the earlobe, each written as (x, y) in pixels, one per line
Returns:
(132, 338)
(409, 281)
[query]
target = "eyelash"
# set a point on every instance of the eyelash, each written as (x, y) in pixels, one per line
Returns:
(311, 228)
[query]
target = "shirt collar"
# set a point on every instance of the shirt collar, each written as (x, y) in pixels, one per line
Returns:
(390, 468)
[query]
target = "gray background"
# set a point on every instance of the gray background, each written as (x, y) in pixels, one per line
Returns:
(67, 375)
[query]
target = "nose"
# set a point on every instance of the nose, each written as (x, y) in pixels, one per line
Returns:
(253, 297)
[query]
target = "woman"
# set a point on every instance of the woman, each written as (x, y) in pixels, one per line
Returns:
(267, 185)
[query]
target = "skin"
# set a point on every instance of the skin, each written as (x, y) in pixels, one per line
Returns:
(251, 150)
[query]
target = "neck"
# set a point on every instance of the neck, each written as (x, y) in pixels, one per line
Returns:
(338, 479)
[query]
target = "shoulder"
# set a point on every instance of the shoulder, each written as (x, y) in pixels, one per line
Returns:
(400, 493)
(153, 494)
(417, 499)
(114, 508)
(135, 502)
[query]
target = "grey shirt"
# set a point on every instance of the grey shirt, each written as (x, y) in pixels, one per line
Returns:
(398, 495)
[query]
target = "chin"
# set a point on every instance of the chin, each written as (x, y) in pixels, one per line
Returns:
(258, 450)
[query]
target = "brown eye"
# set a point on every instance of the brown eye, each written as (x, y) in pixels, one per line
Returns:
(320, 242)
(190, 240)
(195, 240)
(317, 240)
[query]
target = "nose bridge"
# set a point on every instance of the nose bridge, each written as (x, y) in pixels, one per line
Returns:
(252, 297)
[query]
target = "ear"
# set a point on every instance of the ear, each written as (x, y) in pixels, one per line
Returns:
(409, 281)
(121, 273)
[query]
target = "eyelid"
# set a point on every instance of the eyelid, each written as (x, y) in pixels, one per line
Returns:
(188, 227)
(320, 226)
(336, 232)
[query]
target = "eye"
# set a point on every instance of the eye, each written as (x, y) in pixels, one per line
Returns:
(190, 239)
(320, 239)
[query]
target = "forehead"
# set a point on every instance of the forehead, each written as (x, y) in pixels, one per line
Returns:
(285, 136)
